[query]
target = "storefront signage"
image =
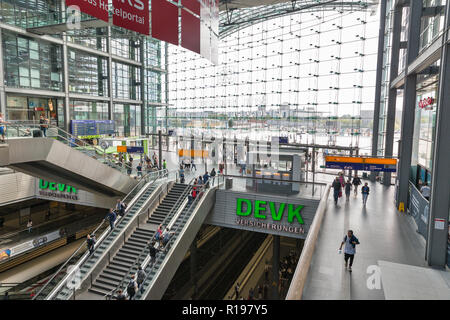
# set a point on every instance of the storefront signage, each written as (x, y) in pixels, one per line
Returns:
(57, 190)
(427, 103)
(260, 209)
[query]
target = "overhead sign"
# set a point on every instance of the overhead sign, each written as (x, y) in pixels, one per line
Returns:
(132, 15)
(361, 164)
(125, 149)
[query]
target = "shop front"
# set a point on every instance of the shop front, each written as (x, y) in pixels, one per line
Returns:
(27, 108)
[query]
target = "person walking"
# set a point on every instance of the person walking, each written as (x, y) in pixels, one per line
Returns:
(337, 189)
(111, 218)
(140, 276)
(205, 179)
(348, 187)
(365, 192)
(90, 244)
(120, 207)
(43, 125)
(356, 182)
(350, 242)
(30, 225)
(213, 176)
(164, 164)
(426, 191)
(132, 287)
(193, 166)
(153, 252)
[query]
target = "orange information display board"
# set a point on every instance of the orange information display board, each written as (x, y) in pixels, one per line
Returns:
(193, 153)
(360, 163)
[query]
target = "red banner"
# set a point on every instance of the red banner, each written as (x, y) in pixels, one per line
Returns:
(95, 8)
(132, 15)
(193, 5)
(165, 21)
(190, 31)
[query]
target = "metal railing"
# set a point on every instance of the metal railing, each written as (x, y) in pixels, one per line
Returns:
(24, 129)
(182, 218)
(144, 253)
(129, 197)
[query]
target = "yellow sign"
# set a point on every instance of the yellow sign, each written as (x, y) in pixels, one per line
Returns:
(401, 207)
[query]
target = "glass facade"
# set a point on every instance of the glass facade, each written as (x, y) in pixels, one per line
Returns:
(128, 119)
(29, 63)
(88, 110)
(126, 81)
(88, 74)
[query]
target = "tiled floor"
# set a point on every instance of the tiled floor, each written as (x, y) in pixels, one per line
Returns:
(384, 234)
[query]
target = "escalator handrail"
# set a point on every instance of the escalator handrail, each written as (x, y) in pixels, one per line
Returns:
(165, 222)
(172, 239)
(83, 245)
(66, 137)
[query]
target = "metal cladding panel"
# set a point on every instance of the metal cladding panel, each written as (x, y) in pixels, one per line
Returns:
(92, 8)
(165, 21)
(224, 214)
(190, 32)
(16, 187)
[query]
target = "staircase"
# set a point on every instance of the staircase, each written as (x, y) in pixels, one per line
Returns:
(125, 261)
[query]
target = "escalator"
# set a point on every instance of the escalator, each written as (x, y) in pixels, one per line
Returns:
(139, 200)
(64, 158)
(123, 260)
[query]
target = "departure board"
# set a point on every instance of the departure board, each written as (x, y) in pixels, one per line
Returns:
(91, 128)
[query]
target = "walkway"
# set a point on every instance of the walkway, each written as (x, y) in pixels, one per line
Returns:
(384, 234)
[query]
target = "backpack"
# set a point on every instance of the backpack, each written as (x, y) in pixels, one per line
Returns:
(131, 286)
(354, 239)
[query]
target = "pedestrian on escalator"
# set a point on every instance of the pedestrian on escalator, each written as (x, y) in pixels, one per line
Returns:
(337, 187)
(200, 180)
(132, 287)
(348, 187)
(120, 295)
(120, 207)
(30, 225)
(90, 244)
(140, 276)
(153, 252)
(205, 179)
(236, 290)
(251, 294)
(111, 218)
(165, 237)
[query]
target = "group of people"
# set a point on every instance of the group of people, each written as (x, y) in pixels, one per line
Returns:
(340, 184)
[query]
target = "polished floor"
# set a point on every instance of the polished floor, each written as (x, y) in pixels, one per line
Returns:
(384, 235)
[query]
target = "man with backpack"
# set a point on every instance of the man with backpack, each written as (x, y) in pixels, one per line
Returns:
(140, 278)
(111, 218)
(365, 193)
(337, 190)
(153, 252)
(120, 208)
(356, 182)
(350, 242)
(132, 287)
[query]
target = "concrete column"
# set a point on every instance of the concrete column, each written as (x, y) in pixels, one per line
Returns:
(66, 123)
(2, 78)
(409, 104)
(440, 188)
(144, 110)
(166, 64)
(275, 266)
(110, 80)
(392, 99)
(193, 267)
(378, 83)
(159, 149)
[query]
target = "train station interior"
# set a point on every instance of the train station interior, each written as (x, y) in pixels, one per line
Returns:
(224, 150)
